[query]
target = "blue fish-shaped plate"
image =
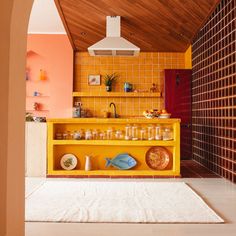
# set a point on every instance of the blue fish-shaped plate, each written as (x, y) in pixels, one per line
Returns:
(123, 161)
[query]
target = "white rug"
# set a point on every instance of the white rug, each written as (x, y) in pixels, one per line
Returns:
(117, 201)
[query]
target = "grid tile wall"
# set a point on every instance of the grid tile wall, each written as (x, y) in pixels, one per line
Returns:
(141, 71)
(214, 92)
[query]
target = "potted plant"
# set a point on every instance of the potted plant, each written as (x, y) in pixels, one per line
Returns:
(109, 79)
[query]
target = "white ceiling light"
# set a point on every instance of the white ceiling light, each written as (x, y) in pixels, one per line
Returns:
(113, 44)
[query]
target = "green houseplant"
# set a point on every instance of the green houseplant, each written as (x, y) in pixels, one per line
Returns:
(110, 79)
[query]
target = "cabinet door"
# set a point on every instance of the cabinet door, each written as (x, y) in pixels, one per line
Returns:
(35, 149)
(178, 103)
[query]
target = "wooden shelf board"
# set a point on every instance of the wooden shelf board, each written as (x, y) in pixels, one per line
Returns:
(38, 96)
(37, 110)
(116, 94)
(115, 142)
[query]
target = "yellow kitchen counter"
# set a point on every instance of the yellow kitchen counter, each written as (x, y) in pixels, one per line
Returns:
(100, 149)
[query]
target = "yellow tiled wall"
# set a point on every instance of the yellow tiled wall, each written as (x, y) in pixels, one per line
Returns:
(188, 58)
(141, 71)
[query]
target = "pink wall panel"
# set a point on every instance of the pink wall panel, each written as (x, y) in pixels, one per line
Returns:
(54, 55)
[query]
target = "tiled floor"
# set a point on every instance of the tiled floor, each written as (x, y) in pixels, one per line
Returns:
(192, 169)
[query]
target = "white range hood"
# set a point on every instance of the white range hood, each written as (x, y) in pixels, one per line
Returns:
(113, 44)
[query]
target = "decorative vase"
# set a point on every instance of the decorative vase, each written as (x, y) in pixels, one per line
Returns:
(88, 164)
(108, 88)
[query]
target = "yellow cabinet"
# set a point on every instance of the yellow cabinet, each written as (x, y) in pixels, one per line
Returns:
(60, 142)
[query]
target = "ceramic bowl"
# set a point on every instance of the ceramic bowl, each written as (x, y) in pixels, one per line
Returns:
(164, 116)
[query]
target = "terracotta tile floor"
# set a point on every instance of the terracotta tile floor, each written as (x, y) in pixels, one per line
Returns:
(192, 169)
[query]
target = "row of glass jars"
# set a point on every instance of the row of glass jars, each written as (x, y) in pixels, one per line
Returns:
(131, 132)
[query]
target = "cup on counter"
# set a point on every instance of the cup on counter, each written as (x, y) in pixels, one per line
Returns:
(106, 114)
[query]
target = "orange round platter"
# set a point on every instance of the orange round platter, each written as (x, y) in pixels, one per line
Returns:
(158, 158)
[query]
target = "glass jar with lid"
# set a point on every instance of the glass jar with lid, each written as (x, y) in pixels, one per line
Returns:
(88, 134)
(134, 132)
(150, 129)
(102, 135)
(142, 134)
(118, 134)
(109, 133)
(167, 133)
(77, 135)
(128, 132)
(59, 135)
(95, 134)
(158, 132)
(65, 135)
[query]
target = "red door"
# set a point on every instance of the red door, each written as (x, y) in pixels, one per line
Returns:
(178, 103)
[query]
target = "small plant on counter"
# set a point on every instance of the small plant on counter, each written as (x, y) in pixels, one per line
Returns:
(110, 79)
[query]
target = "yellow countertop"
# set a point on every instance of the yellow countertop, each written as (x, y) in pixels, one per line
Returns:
(113, 120)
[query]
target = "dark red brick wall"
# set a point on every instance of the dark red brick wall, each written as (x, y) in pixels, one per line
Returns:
(214, 92)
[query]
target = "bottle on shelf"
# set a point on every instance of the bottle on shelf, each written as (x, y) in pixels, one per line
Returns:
(77, 110)
(42, 75)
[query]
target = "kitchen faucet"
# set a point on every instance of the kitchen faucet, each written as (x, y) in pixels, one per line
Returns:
(112, 103)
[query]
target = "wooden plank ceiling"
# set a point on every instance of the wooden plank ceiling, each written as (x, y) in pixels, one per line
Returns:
(152, 25)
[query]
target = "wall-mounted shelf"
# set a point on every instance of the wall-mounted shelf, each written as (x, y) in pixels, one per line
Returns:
(37, 110)
(37, 96)
(116, 94)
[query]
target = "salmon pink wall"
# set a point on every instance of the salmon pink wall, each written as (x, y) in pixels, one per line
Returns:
(54, 55)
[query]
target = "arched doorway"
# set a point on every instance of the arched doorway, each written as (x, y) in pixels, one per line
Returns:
(14, 20)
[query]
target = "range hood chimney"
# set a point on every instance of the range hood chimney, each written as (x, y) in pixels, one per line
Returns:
(113, 44)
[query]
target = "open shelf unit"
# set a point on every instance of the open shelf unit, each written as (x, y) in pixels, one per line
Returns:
(99, 149)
